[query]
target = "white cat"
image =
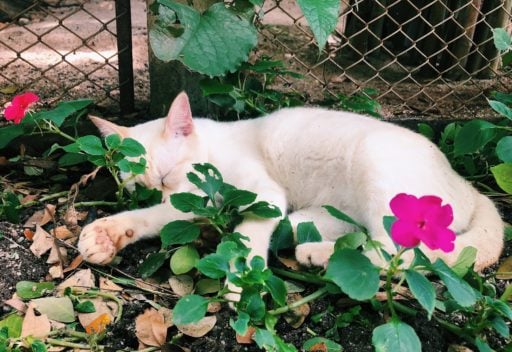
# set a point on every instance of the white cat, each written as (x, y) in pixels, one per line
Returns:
(299, 160)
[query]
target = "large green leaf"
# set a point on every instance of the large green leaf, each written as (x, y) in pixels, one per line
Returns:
(502, 40)
(422, 289)
(395, 336)
(460, 290)
(307, 232)
(473, 136)
(30, 289)
(179, 232)
(503, 175)
(8, 133)
(501, 108)
(322, 16)
(353, 273)
(189, 309)
(213, 42)
(56, 308)
(91, 145)
(504, 149)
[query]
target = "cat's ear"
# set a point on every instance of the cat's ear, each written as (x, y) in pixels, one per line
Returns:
(179, 119)
(106, 127)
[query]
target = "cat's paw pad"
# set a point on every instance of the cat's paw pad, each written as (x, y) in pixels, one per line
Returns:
(314, 253)
(101, 240)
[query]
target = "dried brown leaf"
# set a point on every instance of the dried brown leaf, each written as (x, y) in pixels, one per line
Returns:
(56, 271)
(55, 257)
(296, 316)
(36, 326)
(101, 307)
(247, 338)
(74, 263)
(29, 234)
(200, 328)
(150, 328)
(16, 303)
(504, 271)
(62, 233)
(181, 284)
(290, 263)
(108, 285)
(82, 279)
(41, 217)
(42, 242)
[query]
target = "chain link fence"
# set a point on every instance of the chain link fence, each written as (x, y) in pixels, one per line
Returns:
(69, 49)
(423, 57)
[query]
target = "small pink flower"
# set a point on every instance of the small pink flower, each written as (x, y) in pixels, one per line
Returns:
(424, 220)
(17, 109)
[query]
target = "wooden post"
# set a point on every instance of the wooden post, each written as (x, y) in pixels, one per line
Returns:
(432, 45)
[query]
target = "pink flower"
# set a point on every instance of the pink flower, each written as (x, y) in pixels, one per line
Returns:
(422, 219)
(17, 109)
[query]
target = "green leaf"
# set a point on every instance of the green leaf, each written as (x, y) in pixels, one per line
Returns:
(212, 179)
(38, 346)
(85, 307)
(29, 289)
(189, 309)
(426, 130)
(322, 16)
(252, 303)
(214, 86)
(263, 210)
(395, 336)
(503, 175)
(213, 265)
(152, 263)
(213, 42)
(502, 40)
(330, 346)
(501, 327)
(8, 133)
(13, 323)
(187, 202)
(241, 324)
(473, 136)
(207, 286)
(91, 145)
(460, 290)
(265, 339)
(501, 108)
(282, 237)
(482, 345)
(71, 159)
(504, 149)
(343, 217)
(63, 111)
(137, 168)
(123, 165)
(184, 260)
(112, 141)
(238, 197)
(56, 308)
(464, 261)
(352, 240)
(353, 273)
(277, 289)
(422, 289)
(179, 232)
(131, 148)
(307, 232)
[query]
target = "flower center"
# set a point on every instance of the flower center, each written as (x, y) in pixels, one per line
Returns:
(422, 224)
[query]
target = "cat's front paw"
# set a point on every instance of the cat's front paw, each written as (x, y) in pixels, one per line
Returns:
(102, 239)
(314, 253)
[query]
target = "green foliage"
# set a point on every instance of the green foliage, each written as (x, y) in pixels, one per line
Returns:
(9, 206)
(362, 103)
(395, 336)
(322, 16)
(30, 289)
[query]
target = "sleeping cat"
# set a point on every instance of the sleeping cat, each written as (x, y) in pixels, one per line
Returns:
(299, 160)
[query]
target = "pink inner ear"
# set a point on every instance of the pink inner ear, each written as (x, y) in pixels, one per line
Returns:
(179, 119)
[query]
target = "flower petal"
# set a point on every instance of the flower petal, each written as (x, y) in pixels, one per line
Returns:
(405, 206)
(404, 233)
(25, 100)
(14, 113)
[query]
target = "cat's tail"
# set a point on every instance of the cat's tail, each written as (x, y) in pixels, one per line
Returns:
(485, 233)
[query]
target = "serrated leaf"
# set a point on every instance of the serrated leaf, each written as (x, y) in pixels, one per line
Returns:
(187, 202)
(395, 336)
(189, 309)
(504, 149)
(241, 324)
(307, 232)
(91, 145)
(131, 148)
(213, 42)
(503, 175)
(184, 260)
(56, 308)
(238, 197)
(502, 40)
(152, 263)
(422, 289)
(353, 273)
(179, 232)
(473, 136)
(214, 265)
(263, 210)
(352, 240)
(322, 16)
(30, 289)
(460, 290)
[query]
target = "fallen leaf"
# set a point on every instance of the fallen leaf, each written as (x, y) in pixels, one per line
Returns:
(181, 284)
(42, 242)
(101, 307)
(318, 347)
(56, 271)
(213, 307)
(200, 328)
(74, 263)
(167, 314)
(504, 271)
(29, 234)
(35, 326)
(290, 263)
(150, 328)
(247, 338)
(55, 308)
(108, 285)
(296, 316)
(41, 217)
(62, 233)
(10, 89)
(82, 280)
(54, 256)
(28, 198)
(16, 303)
(98, 325)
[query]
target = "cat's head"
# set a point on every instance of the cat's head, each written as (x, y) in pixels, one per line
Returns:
(171, 144)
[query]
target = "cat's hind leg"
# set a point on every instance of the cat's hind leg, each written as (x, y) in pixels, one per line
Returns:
(318, 253)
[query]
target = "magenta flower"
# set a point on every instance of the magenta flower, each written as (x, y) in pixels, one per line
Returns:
(17, 109)
(422, 219)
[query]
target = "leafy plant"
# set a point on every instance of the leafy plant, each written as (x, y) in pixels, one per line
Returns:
(360, 103)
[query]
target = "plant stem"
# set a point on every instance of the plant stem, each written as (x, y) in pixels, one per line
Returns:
(95, 203)
(44, 199)
(70, 344)
(304, 277)
(315, 295)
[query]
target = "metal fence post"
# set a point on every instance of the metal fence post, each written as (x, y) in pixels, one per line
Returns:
(124, 47)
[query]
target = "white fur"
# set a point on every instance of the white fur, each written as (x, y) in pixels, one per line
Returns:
(300, 159)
